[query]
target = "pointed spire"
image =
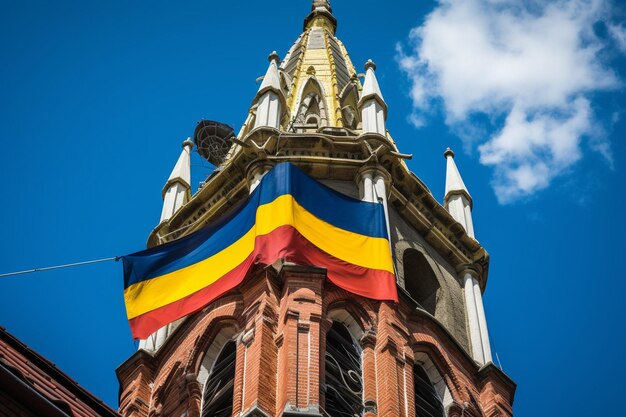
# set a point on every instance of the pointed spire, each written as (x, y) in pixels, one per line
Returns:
(270, 99)
(271, 81)
(182, 169)
(177, 189)
(372, 104)
(371, 89)
(454, 182)
(457, 199)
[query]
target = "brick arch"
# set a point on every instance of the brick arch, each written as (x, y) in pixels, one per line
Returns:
(359, 312)
(427, 349)
(183, 343)
(183, 353)
(225, 333)
(220, 328)
(422, 359)
(343, 316)
(167, 386)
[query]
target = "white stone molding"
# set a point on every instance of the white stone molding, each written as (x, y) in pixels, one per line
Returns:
(472, 319)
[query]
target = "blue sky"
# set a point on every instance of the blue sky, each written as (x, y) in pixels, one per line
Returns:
(97, 98)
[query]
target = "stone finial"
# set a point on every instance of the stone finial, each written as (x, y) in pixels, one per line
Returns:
(370, 64)
(188, 143)
(273, 57)
(321, 4)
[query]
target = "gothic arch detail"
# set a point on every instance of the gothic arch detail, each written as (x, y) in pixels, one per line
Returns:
(348, 99)
(312, 110)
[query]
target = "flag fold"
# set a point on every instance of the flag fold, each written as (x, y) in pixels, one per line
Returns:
(289, 216)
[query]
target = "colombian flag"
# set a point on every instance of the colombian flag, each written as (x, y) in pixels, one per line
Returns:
(289, 216)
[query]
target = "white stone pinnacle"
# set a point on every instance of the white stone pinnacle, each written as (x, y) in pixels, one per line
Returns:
(182, 169)
(371, 89)
(457, 199)
(177, 189)
(271, 81)
(454, 182)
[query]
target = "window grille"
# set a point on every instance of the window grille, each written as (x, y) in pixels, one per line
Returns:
(217, 399)
(344, 383)
(427, 402)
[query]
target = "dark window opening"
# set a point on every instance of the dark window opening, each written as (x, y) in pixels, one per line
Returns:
(344, 383)
(312, 120)
(420, 280)
(217, 399)
(427, 402)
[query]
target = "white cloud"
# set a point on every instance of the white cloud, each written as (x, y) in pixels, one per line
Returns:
(530, 67)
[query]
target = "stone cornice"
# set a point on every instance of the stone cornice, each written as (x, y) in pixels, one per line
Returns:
(326, 156)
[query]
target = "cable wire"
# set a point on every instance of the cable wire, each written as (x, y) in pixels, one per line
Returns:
(48, 268)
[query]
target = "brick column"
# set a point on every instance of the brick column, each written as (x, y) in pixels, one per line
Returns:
(387, 364)
(136, 376)
(496, 392)
(194, 393)
(407, 400)
(239, 377)
(368, 344)
(257, 350)
(410, 383)
(298, 340)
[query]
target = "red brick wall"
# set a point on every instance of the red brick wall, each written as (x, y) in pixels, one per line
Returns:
(282, 318)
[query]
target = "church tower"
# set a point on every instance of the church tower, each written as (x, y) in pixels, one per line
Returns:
(287, 342)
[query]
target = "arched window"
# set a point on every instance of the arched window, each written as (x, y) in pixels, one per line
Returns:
(427, 402)
(217, 399)
(420, 280)
(344, 381)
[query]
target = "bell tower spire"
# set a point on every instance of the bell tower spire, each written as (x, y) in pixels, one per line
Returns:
(289, 338)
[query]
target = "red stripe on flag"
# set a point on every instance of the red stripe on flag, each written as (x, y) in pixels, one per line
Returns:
(282, 243)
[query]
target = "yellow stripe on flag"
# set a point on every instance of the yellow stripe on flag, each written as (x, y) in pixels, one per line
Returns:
(353, 248)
